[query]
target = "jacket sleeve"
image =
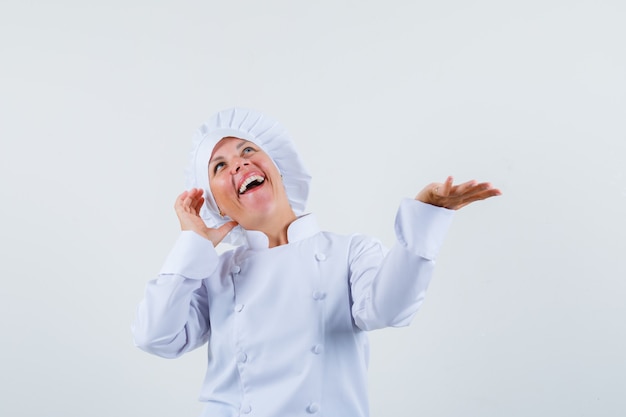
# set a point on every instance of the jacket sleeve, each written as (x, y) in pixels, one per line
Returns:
(173, 316)
(388, 287)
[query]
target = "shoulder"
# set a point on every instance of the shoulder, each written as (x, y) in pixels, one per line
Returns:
(352, 245)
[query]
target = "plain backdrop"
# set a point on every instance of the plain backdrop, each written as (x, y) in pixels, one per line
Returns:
(98, 104)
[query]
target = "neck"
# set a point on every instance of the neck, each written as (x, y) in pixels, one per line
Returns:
(277, 238)
(275, 227)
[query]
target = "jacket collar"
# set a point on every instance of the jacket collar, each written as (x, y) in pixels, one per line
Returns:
(303, 227)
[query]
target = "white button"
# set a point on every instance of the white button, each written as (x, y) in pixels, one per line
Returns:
(235, 269)
(242, 357)
(317, 349)
(246, 409)
(318, 295)
(313, 408)
(320, 256)
(238, 308)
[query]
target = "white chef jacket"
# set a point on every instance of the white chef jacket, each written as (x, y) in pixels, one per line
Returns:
(286, 326)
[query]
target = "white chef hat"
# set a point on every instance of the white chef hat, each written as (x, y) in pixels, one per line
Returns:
(264, 132)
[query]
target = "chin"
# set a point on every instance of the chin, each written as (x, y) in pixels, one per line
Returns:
(255, 214)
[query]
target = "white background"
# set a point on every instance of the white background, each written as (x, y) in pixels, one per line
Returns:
(98, 103)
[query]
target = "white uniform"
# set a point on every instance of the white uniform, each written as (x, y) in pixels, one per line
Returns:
(285, 326)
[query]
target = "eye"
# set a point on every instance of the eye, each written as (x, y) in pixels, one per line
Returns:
(248, 149)
(218, 166)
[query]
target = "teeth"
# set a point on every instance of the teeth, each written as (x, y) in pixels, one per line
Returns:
(250, 180)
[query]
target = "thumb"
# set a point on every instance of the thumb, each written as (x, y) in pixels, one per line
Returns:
(222, 231)
(447, 186)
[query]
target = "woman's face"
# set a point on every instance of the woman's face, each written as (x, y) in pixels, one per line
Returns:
(245, 183)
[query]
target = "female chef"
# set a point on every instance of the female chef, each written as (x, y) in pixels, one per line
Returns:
(285, 313)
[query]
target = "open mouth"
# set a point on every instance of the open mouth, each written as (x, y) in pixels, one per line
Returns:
(251, 182)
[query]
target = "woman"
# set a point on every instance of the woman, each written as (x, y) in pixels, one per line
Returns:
(285, 313)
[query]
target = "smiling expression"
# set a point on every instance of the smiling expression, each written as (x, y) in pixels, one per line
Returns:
(245, 182)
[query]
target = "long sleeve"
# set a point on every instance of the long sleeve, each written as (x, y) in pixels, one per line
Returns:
(388, 287)
(173, 316)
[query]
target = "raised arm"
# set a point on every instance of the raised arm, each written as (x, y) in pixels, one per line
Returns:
(173, 316)
(389, 287)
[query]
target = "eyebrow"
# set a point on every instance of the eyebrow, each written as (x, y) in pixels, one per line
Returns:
(243, 142)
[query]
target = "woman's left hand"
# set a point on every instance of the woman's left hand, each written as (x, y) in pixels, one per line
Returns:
(454, 197)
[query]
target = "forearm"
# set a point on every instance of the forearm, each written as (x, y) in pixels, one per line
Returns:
(171, 319)
(396, 292)
(173, 316)
(388, 288)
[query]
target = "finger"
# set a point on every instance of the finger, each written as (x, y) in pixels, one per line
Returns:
(471, 188)
(477, 196)
(196, 191)
(197, 205)
(188, 203)
(182, 196)
(441, 189)
(221, 232)
(464, 187)
(179, 200)
(485, 190)
(227, 227)
(447, 186)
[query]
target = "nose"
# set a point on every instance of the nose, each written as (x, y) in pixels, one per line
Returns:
(237, 163)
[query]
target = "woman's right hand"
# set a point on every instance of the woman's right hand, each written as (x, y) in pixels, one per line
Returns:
(187, 208)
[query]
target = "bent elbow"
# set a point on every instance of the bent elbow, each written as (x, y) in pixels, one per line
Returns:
(165, 347)
(385, 317)
(381, 322)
